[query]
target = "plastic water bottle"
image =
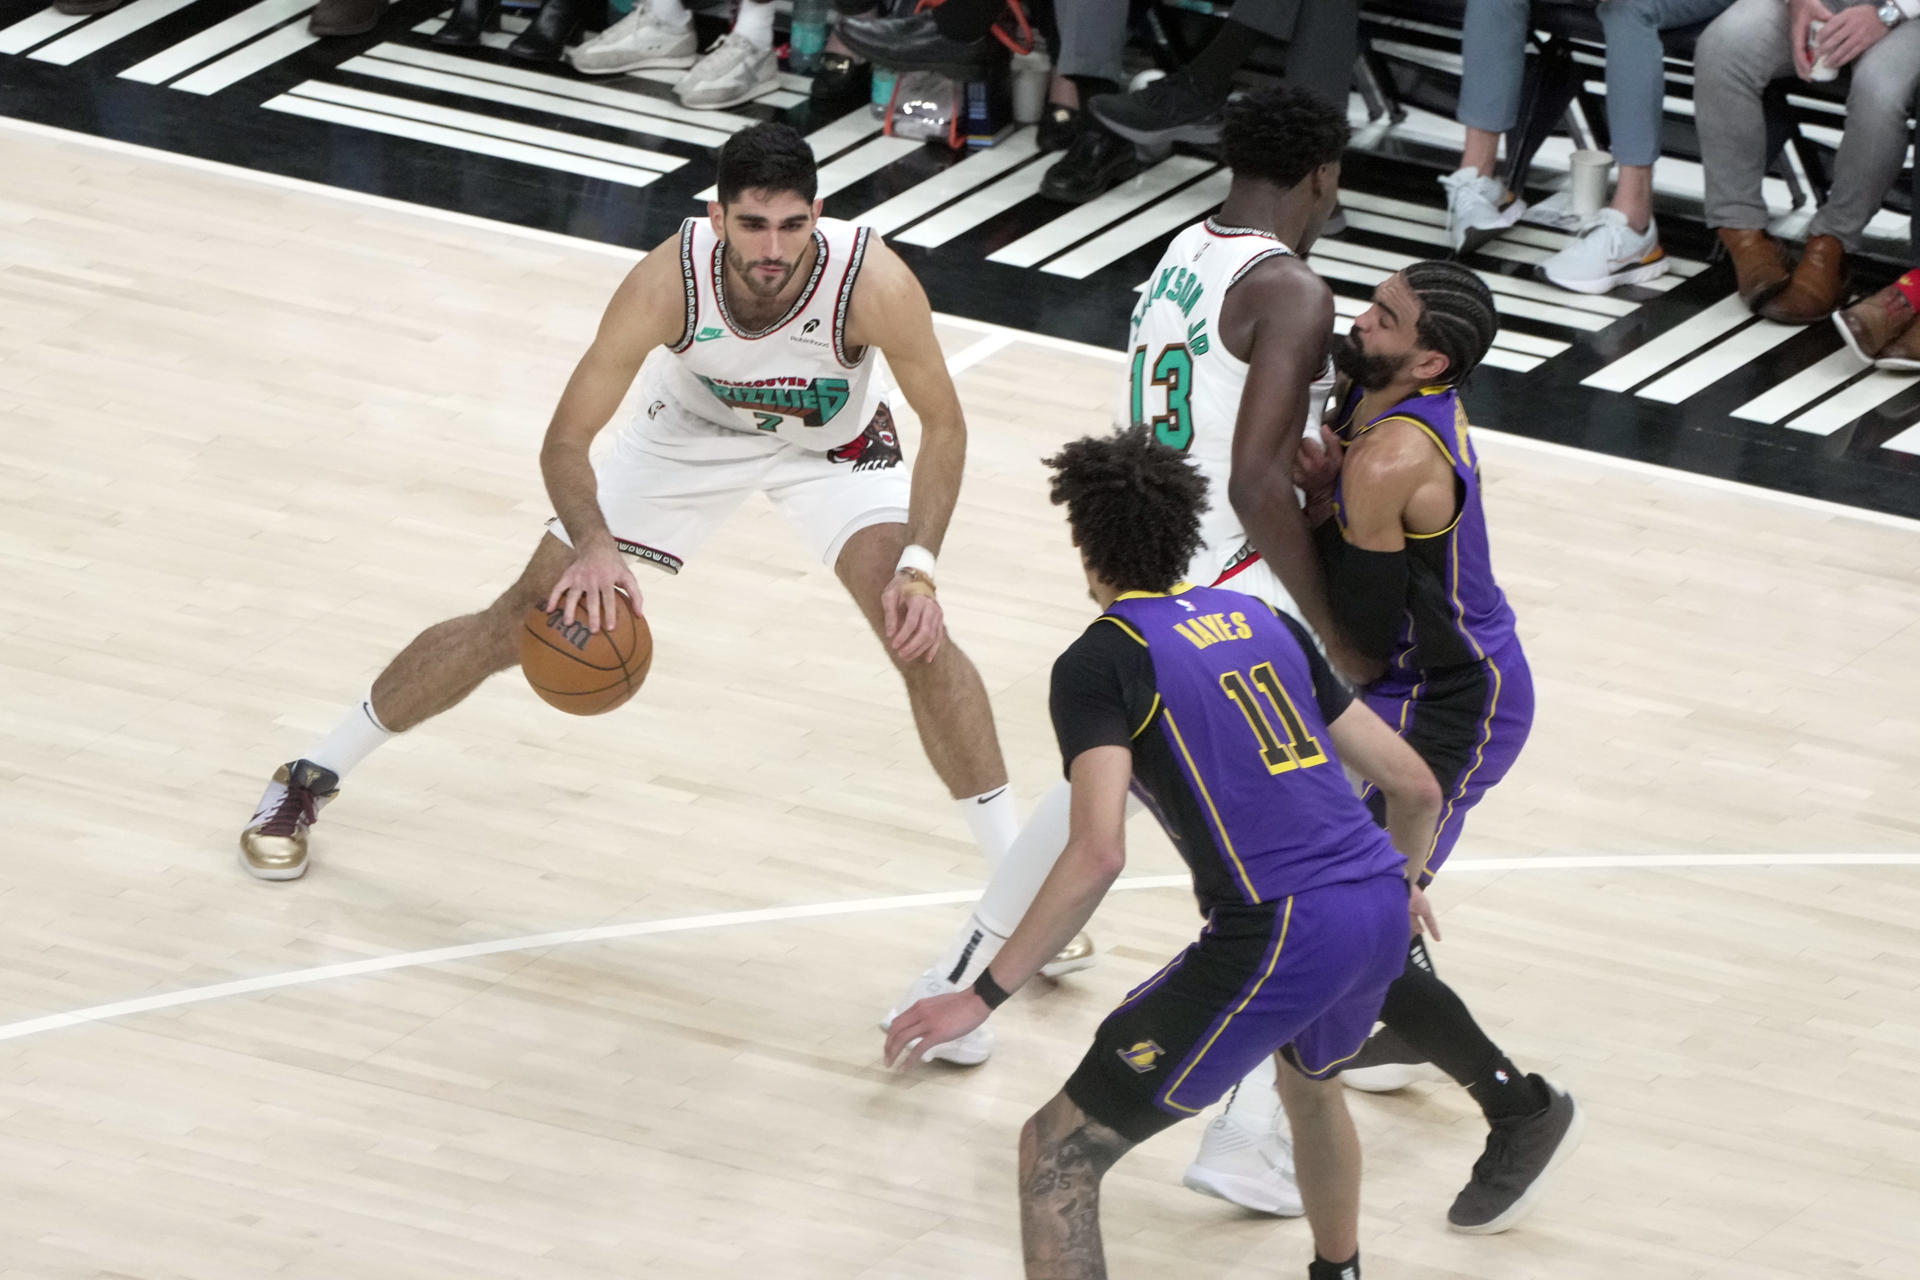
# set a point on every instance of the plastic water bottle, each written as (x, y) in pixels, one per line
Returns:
(884, 79)
(809, 36)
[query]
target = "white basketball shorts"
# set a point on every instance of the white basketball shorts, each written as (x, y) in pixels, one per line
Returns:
(669, 478)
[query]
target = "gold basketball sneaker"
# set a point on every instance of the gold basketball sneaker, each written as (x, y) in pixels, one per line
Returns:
(274, 845)
(1075, 956)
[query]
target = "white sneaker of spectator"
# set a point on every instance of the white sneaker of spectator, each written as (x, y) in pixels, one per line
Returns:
(1607, 254)
(637, 42)
(733, 71)
(1478, 209)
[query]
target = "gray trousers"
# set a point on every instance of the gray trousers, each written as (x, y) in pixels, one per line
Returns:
(1322, 37)
(1745, 50)
(1093, 39)
(1494, 51)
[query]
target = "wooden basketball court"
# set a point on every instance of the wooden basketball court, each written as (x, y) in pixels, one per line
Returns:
(256, 436)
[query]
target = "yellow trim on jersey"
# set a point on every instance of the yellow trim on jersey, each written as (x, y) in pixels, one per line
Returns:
(1193, 771)
(1177, 589)
(1273, 961)
(1122, 624)
(1486, 726)
(1152, 711)
(1431, 434)
(1154, 981)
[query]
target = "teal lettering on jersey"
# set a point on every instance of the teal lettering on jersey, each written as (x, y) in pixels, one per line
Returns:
(1183, 288)
(815, 404)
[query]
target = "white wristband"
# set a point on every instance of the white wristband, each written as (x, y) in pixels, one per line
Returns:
(918, 559)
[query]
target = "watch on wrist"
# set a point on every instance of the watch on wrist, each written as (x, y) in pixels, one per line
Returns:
(1891, 14)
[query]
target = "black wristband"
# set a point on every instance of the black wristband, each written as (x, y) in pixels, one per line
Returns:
(988, 990)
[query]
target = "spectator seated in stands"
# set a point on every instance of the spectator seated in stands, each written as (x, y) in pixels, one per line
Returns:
(1754, 43)
(739, 67)
(1620, 244)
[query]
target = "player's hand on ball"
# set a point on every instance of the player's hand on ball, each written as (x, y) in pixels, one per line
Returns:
(592, 584)
(1421, 912)
(915, 625)
(931, 1023)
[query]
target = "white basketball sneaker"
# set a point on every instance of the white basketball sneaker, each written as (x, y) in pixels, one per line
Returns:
(1478, 209)
(637, 42)
(733, 71)
(1606, 254)
(969, 1050)
(1248, 1166)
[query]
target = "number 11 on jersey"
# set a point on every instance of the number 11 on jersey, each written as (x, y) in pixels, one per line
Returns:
(1172, 369)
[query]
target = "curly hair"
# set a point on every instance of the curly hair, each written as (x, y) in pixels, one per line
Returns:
(767, 157)
(1134, 506)
(1282, 135)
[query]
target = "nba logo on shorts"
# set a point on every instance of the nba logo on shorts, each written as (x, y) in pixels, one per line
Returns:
(1142, 1057)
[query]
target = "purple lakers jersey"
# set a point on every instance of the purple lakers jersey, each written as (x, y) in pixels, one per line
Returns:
(1456, 613)
(1225, 705)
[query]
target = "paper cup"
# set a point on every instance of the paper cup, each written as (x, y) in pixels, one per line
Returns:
(1589, 170)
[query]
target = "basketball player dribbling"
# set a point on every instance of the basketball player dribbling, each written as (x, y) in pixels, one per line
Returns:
(754, 334)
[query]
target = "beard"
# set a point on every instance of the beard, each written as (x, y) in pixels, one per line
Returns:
(748, 274)
(1368, 372)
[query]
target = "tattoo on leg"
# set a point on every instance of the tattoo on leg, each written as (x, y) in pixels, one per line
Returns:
(1063, 1156)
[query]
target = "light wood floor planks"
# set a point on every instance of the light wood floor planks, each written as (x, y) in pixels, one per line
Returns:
(252, 438)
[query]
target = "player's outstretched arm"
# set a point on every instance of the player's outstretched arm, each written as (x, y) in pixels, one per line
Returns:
(647, 311)
(890, 311)
(1095, 855)
(1279, 319)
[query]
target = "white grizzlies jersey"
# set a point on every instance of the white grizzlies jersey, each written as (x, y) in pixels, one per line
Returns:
(795, 379)
(1183, 381)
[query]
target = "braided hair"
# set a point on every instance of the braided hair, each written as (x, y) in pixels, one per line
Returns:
(1134, 505)
(1457, 316)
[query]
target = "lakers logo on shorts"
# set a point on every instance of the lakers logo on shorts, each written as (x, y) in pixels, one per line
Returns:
(1142, 1057)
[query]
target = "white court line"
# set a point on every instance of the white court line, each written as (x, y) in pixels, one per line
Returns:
(1081, 221)
(1803, 388)
(1701, 372)
(492, 126)
(101, 32)
(705, 128)
(246, 60)
(215, 40)
(1669, 347)
(387, 204)
(1117, 241)
(975, 170)
(534, 100)
(458, 139)
(44, 25)
(1907, 441)
(856, 906)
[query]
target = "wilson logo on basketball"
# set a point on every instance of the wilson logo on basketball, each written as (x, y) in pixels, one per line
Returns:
(575, 633)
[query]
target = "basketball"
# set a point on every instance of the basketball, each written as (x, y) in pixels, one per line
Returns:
(582, 672)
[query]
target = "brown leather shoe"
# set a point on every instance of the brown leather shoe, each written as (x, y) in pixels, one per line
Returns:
(1903, 353)
(1871, 324)
(1819, 284)
(1759, 271)
(346, 17)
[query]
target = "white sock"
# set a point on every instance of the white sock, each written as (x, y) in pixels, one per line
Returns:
(1255, 1101)
(1029, 860)
(973, 949)
(670, 13)
(755, 23)
(994, 821)
(352, 740)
